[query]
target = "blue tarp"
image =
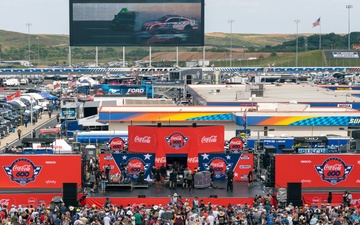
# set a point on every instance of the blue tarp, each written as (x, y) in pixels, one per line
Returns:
(48, 96)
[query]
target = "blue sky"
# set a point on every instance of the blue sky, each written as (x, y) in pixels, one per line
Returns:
(250, 16)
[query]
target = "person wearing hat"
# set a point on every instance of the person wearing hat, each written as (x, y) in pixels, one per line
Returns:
(174, 198)
(222, 218)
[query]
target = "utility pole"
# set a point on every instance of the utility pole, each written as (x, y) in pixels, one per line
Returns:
(297, 42)
(231, 21)
(29, 25)
(349, 7)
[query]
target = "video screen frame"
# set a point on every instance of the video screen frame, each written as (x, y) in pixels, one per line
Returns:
(136, 23)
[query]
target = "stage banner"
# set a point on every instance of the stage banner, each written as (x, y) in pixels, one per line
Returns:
(241, 164)
(236, 144)
(176, 140)
(134, 164)
(117, 144)
(321, 198)
(318, 170)
(39, 171)
(27, 199)
(142, 139)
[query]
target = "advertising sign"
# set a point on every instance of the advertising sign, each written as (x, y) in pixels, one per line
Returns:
(236, 144)
(27, 199)
(176, 140)
(134, 164)
(136, 22)
(39, 171)
(241, 164)
(117, 144)
(124, 90)
(318, 171)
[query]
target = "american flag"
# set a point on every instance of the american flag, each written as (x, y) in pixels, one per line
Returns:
(73, 82)
(316, 23)
(244, 116)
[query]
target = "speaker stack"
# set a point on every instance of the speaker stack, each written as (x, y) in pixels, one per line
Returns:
(294, 194)
(70, 194)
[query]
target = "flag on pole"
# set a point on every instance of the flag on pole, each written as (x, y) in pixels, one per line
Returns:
(244, 116)
(316, 23)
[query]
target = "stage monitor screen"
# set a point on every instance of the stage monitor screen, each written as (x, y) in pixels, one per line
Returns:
(136, 22)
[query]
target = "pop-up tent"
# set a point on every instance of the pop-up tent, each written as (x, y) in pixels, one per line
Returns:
(48, 96)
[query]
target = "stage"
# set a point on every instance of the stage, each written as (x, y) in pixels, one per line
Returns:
(161, 195)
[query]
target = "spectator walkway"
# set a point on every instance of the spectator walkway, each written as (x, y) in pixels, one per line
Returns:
(12, 138)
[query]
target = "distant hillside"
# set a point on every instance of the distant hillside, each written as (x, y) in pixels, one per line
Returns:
(14, 39)
(17, 40)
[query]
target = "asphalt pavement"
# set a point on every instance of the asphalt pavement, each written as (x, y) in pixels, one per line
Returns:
(13, 140)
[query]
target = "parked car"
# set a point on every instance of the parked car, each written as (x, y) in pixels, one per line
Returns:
(172, 21)
(12, 82)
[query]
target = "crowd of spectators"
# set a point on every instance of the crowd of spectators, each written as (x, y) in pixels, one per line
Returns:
(181, 212)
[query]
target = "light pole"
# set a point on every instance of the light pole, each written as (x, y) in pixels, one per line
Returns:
(349, 7)
(231, 21)
(38, 45)
(28, 25)
(297, 42)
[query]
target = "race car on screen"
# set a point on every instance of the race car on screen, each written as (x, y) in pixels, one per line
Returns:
(161, 35)
(172, 21)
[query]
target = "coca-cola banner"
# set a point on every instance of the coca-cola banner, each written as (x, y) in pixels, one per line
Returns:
(39, 171)
(142, 139)
(27, 199)
(318, 171)
(236, 144)
(241, 164)
(134, 164)
(176, 140)
(117, 144)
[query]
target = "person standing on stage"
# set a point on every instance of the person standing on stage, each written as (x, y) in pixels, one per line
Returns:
(211, 170)
(157, 178)
(187, 171)
(163, 173)
(230, 180)
(173, 179)
(250, 178)
(107, 172)
(123, 172)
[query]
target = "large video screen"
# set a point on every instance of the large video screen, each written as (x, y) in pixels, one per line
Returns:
(136, 22)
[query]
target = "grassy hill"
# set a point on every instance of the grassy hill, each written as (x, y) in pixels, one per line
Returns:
(240, 42)
(14, 39)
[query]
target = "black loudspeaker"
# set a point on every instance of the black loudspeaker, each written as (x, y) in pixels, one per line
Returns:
(194, 124)
(297, 203)
(70, 194)
(355, 134)
(159, 124)
(213, 196)
(294, 191)
(141, 196)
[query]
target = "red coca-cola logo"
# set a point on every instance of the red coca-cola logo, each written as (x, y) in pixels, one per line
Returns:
(160, 160)
(117, 144)
(134, 166)
(219, 166)
(22, 171)
(333, 170)
(176, 140)
(209, 139)
(236, 144)
(142, 139)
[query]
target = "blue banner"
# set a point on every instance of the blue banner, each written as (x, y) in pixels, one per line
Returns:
(135, 163)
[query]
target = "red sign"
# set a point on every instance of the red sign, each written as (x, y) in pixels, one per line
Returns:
(117, 144)
(318, 170)
(176, 140)
(13, 96)
(236, 144)
(27, 199)
(39, 171)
